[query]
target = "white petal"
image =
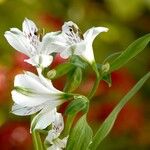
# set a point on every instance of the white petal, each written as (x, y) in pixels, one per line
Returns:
(90, 34)
(58, 124)
(32, 91)
(48, 83)
(24, 111)
(76, 49)
(41, 60)
(80, 48)
(61, 143)
(29, 27)
(66, 53)
(54, 147)
(29, 100)
(44, 118)
(67, 25)
(58, 43)
(57, 127)
(88, 54)
(24, 98)
(58, 144)
(52, 135)
(47, 46)
(18, 41)
(30, 81)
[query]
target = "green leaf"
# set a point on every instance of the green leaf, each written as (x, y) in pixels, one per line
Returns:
(132, 50)
(80, 103)
(74, 80)
(60, 70)
(81, 136)
(109, 121)
(111, 57)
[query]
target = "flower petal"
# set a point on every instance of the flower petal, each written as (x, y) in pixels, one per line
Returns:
(44, 118)
(58, 123)
(48, 83)
(58, 144)
(88, 54)
(65, 54)
(24, 111)
(29, 100)
(29, 27)
(31, 82)
(47, 45)
(41, 60)
(27, 97)
(57, 127)
(90, 34)
(18, 41)
(54, 147)
(52, 137)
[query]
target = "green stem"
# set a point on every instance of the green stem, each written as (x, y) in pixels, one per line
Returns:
(38, 145)
(96, 83)
(68, 124)
(37, 141)
(95, 86)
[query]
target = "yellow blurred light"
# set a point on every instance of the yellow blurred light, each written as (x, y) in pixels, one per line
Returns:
(2, 1)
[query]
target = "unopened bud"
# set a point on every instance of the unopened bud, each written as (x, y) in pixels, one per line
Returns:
(51, 74)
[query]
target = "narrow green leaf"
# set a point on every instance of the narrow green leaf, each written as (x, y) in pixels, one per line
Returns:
(131, 51)
(109, 121)
(111, 57)
(80, 103)
(81, 136)
(74, 80)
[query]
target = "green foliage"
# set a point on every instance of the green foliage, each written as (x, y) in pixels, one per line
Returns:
(81, 136)
(78, 62)
(109, 122)
(60, 70)
(131, 51)
(37, 141)
(74, 80)
(80, 103)
(111, 57)
(107, 79)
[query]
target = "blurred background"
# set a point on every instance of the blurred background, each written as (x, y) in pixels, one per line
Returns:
(127, 20)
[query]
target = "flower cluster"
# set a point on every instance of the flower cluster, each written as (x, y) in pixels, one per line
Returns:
(35, 93)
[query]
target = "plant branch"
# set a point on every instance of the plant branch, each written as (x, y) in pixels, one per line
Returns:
(37, 140)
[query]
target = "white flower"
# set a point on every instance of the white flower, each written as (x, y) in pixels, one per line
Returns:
(34, 93)
(58, 144)
(31, 43)
(52, 138)
(72, 42)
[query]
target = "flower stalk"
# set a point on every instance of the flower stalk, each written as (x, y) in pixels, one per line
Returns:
(38, 145)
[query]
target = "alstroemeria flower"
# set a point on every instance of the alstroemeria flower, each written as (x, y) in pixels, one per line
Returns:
(72, 42)
(52, 138)
(34, 93)
(31, 43)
